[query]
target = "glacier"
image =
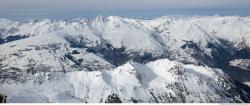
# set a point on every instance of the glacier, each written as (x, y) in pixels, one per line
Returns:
(117, 59)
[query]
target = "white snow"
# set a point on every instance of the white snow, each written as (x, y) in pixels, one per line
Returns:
(242, 63)
(246, 83)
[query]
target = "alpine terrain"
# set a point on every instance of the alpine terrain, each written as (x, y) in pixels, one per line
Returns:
(169, 59)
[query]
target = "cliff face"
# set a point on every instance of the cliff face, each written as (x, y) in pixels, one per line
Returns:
(3, 98)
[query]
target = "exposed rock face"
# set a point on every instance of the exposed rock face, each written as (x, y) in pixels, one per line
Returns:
(3, 98)
(113, 99)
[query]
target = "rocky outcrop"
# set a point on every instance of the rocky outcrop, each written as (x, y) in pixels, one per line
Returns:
(3, 98)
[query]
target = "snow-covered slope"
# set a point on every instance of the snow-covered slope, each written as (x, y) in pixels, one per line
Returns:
(115, 59)
(185, 39)
(158, 81)
(242, 63)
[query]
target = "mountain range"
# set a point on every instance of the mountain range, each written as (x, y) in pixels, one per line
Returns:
(116, 59)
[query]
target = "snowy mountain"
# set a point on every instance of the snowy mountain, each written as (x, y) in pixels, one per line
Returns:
(158, 81)
(115, 59)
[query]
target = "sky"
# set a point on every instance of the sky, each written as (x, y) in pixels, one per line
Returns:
(122, 7)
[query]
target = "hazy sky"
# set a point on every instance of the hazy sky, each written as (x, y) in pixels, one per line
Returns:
(90, 8)
(107, 5)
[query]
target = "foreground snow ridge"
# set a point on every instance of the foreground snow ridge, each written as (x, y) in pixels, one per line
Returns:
(158, 81)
